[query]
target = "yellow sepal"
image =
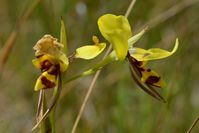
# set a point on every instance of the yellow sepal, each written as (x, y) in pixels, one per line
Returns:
(117, 30)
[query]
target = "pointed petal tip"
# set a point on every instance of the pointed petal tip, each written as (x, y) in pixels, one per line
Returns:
(175, 46)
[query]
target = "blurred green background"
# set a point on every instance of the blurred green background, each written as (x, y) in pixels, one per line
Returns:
(116, 105)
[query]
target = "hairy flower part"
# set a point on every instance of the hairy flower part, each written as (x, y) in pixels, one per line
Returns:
(50, 60)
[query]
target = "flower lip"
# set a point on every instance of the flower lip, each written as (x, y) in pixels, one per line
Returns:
(47, 83)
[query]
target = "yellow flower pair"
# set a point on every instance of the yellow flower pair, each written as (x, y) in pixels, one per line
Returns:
(51, 60)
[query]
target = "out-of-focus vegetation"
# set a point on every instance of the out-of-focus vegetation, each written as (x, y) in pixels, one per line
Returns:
(116, 105)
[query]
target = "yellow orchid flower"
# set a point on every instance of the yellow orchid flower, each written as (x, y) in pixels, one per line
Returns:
(50, 60)
(117, 30)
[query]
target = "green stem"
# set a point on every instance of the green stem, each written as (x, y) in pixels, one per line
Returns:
(52, 120)
(45, 125)
(56, 93)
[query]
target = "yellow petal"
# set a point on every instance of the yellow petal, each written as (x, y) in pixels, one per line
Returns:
(45, 81)
(117, 30)
(152, 54)
(90, 51)
(152, 78)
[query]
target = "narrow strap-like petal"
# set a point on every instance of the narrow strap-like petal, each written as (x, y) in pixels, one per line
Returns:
(153, 53)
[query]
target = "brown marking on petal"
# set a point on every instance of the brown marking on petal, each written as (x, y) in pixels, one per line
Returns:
(136, 69)
(38, 56)
(55, 70)
(47, 83)
(152, 79)
(134, 61)
(141, 69)
(148, 89)
(146, 54)
(136, 65)
(46, 64)
(148, 70)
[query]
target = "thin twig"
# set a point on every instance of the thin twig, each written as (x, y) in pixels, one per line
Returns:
(193, 125)
(39, 105)
(130, 8)
(96, 77)
(5, 51)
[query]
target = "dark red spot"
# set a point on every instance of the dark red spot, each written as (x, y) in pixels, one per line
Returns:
(55, 70)
(47, 83)
(134, 61)
(136, 65)
(46, 64)
(152, 79)
(148, 70)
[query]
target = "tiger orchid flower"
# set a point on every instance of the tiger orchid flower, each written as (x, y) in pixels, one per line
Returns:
(117, 31)
(51, 60)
